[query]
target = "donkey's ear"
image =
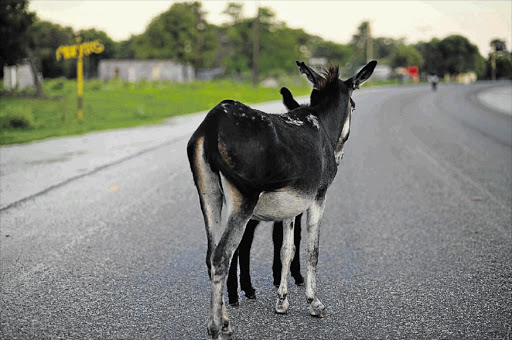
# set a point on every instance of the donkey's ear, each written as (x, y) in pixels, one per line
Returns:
(288, 100)
(362, 76)
(313, 77)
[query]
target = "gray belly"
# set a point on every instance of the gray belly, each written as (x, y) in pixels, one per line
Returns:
(281, 205)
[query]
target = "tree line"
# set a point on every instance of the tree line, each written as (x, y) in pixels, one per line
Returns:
(183, 34)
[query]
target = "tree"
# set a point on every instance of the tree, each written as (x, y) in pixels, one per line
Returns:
(385, 48)
(234, 11)
(499, 45)
(363, 42)
(504, 66)
(15, 20)
(91, 62)
(43, 39)
(452, 55)
(126, 48)
(459, 54)
(362, 45)
(405, 55)
(279, 45)
(336, 54)
(499, 62)
(237, 48)
(432, 57)
(180, 33)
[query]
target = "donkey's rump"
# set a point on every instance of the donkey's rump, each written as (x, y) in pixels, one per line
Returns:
(250, 148)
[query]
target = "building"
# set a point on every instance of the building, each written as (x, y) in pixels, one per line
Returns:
(18, 77)
(134, 70)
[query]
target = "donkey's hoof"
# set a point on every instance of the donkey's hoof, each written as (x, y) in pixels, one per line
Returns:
(233, 300)
(299, 280)
(213, 332)
(227, 332)
(282, 306)
(317, 309)
(250, 293)
(251, 296)
(234, 304)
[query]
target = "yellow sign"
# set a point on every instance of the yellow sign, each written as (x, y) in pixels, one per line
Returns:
(74, 51)
(78, 51)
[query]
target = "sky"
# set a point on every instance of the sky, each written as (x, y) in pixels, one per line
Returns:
(479, 21)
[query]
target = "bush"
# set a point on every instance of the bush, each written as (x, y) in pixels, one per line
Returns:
(58, 84)
(17, 117)
(96, 85)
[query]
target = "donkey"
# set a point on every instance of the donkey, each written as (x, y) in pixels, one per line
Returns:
(242, 254)
(269, 167)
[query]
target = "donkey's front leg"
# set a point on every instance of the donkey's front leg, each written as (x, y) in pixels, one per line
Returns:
(287, 252)
(316, 308)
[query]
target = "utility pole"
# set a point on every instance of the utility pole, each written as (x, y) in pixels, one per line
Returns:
(493, 61)
(369, 45)
(256, 48)
(197, 23)
(493, 65)
(80, 79)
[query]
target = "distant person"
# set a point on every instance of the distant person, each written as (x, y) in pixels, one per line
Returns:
(434, 80)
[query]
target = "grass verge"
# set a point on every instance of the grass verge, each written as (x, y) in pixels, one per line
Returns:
(118, 104)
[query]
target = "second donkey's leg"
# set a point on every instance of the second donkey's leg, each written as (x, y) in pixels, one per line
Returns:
(244, 257)
(295, 266)
(287, 252)
(232, 282)
(277, 238)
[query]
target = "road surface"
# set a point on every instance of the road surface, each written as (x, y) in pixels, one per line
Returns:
(416, 239)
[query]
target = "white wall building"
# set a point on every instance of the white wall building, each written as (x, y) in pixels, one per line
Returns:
(18, 76)
(134, 70)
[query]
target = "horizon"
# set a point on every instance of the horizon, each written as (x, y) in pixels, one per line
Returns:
(479, 21)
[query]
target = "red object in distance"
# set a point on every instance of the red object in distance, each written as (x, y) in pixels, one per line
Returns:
(412, 70)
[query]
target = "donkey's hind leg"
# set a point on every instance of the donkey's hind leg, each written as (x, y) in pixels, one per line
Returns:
(240, 209)
(287, 252)
(210, 195)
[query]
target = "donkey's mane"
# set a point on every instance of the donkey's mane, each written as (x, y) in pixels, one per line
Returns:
(330, 76)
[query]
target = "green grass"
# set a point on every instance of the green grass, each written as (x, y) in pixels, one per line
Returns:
(118, 104)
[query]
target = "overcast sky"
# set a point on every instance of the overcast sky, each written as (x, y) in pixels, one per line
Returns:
(479, 21)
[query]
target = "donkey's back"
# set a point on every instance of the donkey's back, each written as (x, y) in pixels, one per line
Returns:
(259, 151)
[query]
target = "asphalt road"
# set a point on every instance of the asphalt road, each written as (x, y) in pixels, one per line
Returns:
(416, 240)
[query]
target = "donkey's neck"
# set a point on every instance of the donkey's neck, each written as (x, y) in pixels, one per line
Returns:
(332, 115)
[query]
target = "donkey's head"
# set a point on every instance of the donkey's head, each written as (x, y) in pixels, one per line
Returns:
(331, 97)
(329, 89)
